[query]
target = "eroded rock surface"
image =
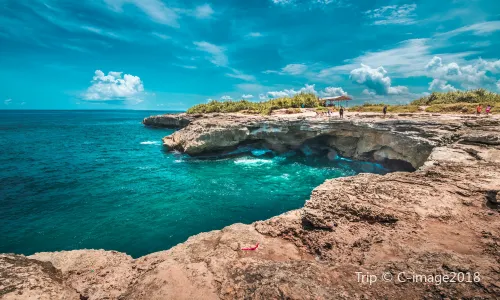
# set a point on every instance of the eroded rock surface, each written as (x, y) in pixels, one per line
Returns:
(399, 138)
(441, 219)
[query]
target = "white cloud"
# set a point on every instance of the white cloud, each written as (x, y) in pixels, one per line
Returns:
(483, 28)
(474, 75)
(308, 88)
(393, 14)
(441, 85)
(114, 86)
(161, 35)
(7, 101)
(409, 58)
(241, 75)
(248, 96)
(204, 11)
(294, 69)
(282, 2)
(218, 56)
(186, 66)
(155, 9)
(332, 92)
(105, 33)
(225, 97)
(376, 80)
(254, 34)
(498, 85)
(290, 69)
(368, 93)
(262, 97)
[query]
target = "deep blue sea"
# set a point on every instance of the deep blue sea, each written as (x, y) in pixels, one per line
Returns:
(100, 179)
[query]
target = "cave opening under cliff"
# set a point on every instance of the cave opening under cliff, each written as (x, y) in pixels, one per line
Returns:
(325, 148)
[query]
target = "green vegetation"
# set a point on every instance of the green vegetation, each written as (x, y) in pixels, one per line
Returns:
(479, 96)
(266, 107)
(459, 101)
(448, 102)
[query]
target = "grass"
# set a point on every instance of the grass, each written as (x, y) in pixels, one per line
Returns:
(390, 108)
(307, 100)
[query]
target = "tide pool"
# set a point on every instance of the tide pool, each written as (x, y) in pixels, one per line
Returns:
(101, 180)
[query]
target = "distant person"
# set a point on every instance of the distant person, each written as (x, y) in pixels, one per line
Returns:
(488, 109)
(479, 108)
(384, 110)
(341, 112)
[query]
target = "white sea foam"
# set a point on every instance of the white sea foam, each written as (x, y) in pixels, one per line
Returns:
(252, 161)
(150, 143)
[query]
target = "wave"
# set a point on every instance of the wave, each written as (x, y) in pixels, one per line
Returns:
(150, 143)
(253, 161)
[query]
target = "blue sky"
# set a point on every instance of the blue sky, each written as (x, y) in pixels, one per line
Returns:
(169, 55)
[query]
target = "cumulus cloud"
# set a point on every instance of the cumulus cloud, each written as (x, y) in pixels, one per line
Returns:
(308, 88)
(247, 96)
(332, 92)
(204, 11)
(262, 97)
(368, 93)
(224, 98)
(376, 80)
(393, 14)
(7, 101)
(114, 87)
(218, 56)
(474, 75)
(498, 85)
(441, 85)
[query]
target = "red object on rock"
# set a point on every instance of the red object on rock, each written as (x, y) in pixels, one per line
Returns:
(251, 248)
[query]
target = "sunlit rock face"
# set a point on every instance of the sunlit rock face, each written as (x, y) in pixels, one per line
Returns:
(402, 143)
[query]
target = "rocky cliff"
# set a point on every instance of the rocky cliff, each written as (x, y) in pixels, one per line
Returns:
(360, 237)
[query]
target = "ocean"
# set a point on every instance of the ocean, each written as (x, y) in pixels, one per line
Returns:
(102, 180)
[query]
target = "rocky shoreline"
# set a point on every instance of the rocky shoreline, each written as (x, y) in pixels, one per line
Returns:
(442, 218)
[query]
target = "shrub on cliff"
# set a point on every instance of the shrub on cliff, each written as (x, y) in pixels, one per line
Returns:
(266, 107)
(472, 96)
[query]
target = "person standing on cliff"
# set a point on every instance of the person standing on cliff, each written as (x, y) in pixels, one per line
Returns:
(384, 110)
(341, 112)
(479, 108)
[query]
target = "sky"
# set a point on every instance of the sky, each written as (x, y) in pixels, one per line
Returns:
(170, 55)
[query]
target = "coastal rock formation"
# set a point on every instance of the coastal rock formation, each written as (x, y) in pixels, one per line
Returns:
(363, 237)
(399, 139)
(169, 121)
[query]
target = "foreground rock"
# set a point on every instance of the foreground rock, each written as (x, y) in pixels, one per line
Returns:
(442, 219)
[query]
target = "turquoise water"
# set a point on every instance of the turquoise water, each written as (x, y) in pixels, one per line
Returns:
(100, 179)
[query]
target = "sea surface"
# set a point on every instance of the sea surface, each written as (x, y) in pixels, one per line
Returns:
(101, 180)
